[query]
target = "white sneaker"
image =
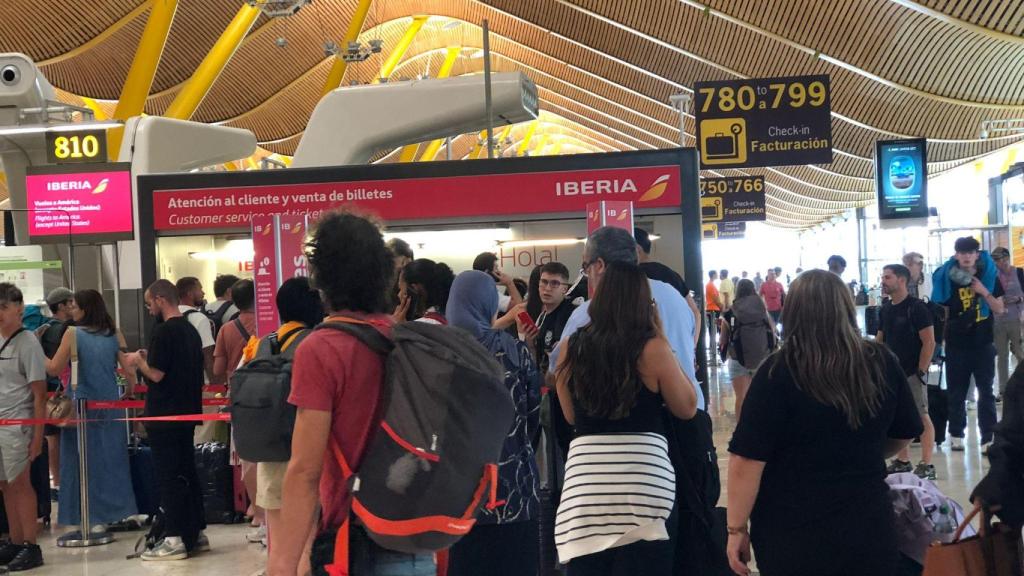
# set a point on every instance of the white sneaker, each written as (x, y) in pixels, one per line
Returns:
(166, 550)
(956, 444)
(202, 543)
(257, 534)
(971, 405)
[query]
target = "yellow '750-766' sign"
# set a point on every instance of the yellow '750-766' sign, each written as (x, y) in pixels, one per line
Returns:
(76, 147)
(764, 121)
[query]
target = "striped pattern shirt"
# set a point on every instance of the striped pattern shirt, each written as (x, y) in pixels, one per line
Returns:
(619, 489)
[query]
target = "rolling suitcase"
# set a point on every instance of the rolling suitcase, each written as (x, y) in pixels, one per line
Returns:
(140, 461)
(216, 482)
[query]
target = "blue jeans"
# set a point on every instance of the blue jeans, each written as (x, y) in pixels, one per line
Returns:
(961, 364)
(366, 558)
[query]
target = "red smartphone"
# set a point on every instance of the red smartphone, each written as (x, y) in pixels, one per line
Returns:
(524, 317)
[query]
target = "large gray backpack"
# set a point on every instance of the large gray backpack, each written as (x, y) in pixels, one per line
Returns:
(432, 462)
(261, 416)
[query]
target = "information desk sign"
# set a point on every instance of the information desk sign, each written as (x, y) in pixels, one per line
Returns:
(265, 273)
(80, 146)
(732, 199)
(723, 230)
(764, 122)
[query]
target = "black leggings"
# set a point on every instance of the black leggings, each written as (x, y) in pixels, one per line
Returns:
(181, 497)
(647, 558)
(497, 550)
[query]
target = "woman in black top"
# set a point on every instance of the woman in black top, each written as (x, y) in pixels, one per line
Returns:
(808, 457)
(619, 482)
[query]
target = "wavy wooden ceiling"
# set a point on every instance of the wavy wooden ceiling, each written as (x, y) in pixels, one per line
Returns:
(604, 69)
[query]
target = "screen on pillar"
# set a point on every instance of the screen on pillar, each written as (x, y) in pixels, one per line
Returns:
(83, 204)
(901, 176)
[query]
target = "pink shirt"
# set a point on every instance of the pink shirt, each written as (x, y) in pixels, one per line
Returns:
(230, 344)
(772, 292)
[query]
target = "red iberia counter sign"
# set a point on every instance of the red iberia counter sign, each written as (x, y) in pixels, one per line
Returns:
(422, 198)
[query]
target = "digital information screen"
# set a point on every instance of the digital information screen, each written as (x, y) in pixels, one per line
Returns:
(901, 178)
(86, 204)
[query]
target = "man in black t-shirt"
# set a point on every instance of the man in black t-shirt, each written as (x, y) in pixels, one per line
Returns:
(173, 368)
(907, 329)
(658, 271)
(968, 286)
(555, 312)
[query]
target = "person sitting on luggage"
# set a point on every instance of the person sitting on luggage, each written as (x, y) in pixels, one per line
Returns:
(613, 378)
(826, 392)
(99, 346)
(173, 368)
(423, 287)
(300, 309)
(23, 389)
(336, 387)
(505, 539)
(1002, 489)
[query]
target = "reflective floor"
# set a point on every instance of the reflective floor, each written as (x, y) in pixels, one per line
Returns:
(957, 472)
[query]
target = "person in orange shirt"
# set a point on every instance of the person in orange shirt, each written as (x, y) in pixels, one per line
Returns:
(713, 308)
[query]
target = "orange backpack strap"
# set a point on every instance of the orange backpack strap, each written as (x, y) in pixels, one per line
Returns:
(340, 565)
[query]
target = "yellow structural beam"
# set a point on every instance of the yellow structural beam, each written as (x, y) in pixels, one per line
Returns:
(337, 73)
(97, 111)
(192, 94)
(558, 148)
(482, 152)
(140, 76)
(525, 144)
(480, 140)
(399, 50)
(541, 144)
(409, 152)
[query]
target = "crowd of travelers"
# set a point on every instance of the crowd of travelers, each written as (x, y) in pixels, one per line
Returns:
(601, 459)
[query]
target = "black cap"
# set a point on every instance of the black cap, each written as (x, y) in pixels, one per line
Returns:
(642, 239)
(966, 244)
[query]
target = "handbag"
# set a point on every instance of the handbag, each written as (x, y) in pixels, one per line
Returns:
(59, 406)
(997, 550)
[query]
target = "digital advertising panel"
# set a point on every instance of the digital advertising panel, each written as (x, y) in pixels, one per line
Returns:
(901, 178)
(87, 204)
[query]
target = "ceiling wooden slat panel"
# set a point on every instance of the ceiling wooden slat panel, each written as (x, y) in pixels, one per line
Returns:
(1006, 16)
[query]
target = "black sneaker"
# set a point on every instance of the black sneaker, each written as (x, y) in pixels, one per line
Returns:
(898, 466)
(7, 553)
(924, 471)
(31, 556)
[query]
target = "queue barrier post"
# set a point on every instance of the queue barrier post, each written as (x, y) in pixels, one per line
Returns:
(84, 536)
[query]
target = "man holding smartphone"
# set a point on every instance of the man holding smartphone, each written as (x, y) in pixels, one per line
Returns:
(488, 262)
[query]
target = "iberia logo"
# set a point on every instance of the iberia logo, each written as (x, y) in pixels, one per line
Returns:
(297, 229)
(657, 190)
(101, 187)
(623, 215)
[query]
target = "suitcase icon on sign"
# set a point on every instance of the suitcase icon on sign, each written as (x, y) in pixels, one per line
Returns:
(711, 209)
(721, 146)
(723, 140)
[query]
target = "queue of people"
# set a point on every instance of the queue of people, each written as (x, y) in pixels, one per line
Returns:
(619, 374)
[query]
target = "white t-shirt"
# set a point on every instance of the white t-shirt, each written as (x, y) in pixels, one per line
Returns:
(202, 324)
(231, 311)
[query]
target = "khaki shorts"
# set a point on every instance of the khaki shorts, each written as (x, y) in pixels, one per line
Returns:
(269, 480)
(920, 391)
(14, 445)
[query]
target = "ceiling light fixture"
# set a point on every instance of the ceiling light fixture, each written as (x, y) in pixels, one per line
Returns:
(42, 128)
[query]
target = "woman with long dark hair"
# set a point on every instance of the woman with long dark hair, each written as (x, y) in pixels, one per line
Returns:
(100, 349)
(619, 482)
(749, 336)
(807, 463)
(423, 287)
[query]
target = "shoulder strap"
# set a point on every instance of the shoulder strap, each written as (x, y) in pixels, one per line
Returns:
(11, 339)
(362, 331)
(218, 315)
(241, 330)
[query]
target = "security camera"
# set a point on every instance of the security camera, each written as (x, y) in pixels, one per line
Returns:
(22, 85)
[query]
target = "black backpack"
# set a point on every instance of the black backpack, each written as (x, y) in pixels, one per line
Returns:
(260, 413)
(217, 316)
(433, 462)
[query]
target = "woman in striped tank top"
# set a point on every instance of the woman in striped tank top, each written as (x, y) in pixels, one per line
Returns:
(619, 482)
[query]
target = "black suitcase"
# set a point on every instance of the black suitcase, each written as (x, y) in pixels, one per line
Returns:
(216, 481)
(140, 461)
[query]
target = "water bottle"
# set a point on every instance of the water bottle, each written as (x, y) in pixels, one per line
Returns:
(945, 523)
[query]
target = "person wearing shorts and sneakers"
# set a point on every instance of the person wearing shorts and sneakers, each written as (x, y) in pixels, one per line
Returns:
(22, 395)
(908, 330)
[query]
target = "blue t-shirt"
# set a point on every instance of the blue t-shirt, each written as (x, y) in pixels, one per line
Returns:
(676, 320)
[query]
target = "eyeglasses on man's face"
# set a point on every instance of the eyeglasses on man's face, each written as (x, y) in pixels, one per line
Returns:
(553, 284)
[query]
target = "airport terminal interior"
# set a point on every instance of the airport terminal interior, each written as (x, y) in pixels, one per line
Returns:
(808, 214)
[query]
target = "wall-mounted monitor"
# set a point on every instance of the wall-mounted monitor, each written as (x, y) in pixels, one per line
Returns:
(901, 178)
(86, 204)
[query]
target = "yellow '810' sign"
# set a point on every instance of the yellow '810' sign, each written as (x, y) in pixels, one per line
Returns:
(76, 147)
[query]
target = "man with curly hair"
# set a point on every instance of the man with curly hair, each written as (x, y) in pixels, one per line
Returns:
(336, 384)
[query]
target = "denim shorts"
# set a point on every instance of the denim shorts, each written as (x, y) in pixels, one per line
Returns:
(366, 558)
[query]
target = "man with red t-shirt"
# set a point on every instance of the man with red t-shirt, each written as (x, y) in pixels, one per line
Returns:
(773, 294)
(336, 386)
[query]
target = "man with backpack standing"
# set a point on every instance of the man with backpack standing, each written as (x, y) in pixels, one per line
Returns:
(908, 330)
(61, 301)
(222, 310)
(190, 303)
(1008, 324)
(337, 383)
